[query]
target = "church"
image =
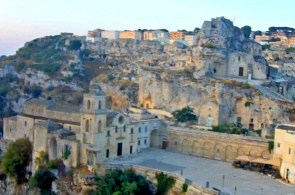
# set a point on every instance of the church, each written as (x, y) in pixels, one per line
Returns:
(89, 135)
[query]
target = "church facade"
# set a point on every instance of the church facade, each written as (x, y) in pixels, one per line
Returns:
(88, 135)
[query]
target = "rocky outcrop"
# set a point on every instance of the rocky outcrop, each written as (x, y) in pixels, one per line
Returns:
(223, 51)
(214, 101)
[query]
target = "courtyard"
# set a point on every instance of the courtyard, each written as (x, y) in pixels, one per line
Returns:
(202, 170)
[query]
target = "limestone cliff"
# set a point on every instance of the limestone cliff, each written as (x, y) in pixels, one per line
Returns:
(214, 101)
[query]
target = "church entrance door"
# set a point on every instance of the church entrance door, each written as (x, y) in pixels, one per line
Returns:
(119, 149)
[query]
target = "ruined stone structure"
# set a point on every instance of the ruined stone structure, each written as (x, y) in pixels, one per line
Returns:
(89, 135)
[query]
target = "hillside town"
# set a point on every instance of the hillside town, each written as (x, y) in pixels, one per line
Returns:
(217, 95)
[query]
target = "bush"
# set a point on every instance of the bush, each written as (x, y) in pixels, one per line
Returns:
(248, 104)
(209, 45)
(164, 183)
(185, 114)
(184, 187)
(270, 145)
(16, 159)
(246, 85)
(42, 179)
(35, 91)
(74, 45)
(111, 77)
(122, 182)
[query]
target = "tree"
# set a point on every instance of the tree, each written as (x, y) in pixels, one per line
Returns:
(185, 114)
(258, 32)
(196, 30)
(16, 159)
(122, 183)
(74, 45)
(42, 179)
(247, 31)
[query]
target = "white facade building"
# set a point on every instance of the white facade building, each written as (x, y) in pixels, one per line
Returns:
(155, 35)
(110, 34)
(191, 39)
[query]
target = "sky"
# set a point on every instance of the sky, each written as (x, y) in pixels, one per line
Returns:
(25, 20)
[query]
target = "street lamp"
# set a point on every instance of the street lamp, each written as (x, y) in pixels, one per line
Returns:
(223, 181)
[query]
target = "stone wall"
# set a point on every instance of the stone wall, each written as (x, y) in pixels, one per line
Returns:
(218, 146)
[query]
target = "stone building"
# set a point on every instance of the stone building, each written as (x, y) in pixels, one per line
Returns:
(284, 147)
(88, 135)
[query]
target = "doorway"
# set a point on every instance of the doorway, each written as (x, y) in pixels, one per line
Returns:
(287, 175)
(130, 149)
(119, 150)
(164, 145)
(107, 153)
(241, 71)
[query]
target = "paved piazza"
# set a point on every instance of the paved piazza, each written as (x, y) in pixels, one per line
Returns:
(201, 170)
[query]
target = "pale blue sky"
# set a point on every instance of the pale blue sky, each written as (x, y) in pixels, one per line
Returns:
(24, 20)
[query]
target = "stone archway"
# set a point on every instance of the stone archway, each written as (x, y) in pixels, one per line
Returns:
(185, 148)
(230, 153)
(197, 148)
(254, 153)
(208, 150)
(242, 151)
(219, 152)
(154, 139)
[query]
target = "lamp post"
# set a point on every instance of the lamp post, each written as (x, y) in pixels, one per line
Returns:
(223, 181)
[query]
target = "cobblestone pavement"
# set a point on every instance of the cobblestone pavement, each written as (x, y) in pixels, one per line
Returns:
(201, 170)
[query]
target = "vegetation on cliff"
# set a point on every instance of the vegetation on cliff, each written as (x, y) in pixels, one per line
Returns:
(16, 159)
(185, 114)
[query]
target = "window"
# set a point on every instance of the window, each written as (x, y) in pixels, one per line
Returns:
(87, 126)
(262, 125)
(289, 150)
(239, 58)
(279, 145)
(99, 105)
(88, 104)
(25, 135)
(116, 129)
(108, 133)
(9, 130)
(251, 120)
(139, 130)
(130, 149)
(124, 128)
(99, 126)
(131, 130)
(218, 151)
(121, 119)
(145, 129)
(25, 123)
(144, 141)
(138, 142)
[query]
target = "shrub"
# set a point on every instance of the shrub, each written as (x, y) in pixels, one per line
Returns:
(248, 104)
(164, 183)
(16, 159)
(185, 114)
(270, 145)
(74, 45)
(184, 187)
(258, 132)
(111, 77)
(246, 85)
(209, 45)
(42, 179)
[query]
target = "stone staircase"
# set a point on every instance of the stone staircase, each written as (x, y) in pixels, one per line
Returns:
(271, 94)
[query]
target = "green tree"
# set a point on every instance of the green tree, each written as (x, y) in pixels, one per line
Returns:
(74, 45)
(42, 179)
(122, 182)
(247, 31)
(164, 183)
(185, 114)
(196, 30)
(16, 159)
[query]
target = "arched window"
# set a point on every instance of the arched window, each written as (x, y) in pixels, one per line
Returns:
(88, 104)
(87, 126)
(99, 126)
(99, 105)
